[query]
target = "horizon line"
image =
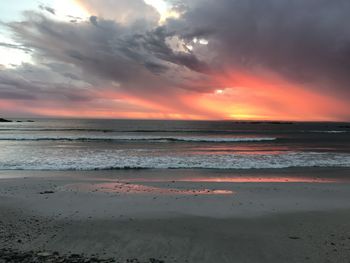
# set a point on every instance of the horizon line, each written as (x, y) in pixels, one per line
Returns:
(189, 120)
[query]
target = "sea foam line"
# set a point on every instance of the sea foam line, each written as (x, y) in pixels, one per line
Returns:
(122, 160)
(139, 138)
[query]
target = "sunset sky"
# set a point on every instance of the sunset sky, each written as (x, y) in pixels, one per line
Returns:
(176, 59)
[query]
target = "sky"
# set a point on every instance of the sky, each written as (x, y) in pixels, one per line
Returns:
(176, 59)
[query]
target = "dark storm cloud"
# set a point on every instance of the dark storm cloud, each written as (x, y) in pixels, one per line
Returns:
(81, 60)
(305, 41)
(155, 67)
(28, 82)
(108, 51)
(154, 44)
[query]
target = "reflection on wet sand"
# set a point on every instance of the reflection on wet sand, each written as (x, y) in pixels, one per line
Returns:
(263, 180)
(128, 188)
(244, 179)
(137, 185)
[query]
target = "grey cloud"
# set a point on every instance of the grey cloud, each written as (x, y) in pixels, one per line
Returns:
(20, 47)
(105, 53)
(107, 49)
(28, 82)
(305, 41)
(71, 76)
(4, 94)
(155, 67)
(76, 54)
(129, 12)
(93, 20)
(48, 9)
(154, 44)
(74, 19)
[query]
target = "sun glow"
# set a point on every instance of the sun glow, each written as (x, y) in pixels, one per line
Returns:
(69, 9)
(242, 95)
(12, 57)
(219, 91)
(165, 11)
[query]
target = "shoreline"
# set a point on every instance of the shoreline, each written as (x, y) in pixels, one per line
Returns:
(322, 172)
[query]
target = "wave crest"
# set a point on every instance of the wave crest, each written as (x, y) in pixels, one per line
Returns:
(122, 160)
(139, 138)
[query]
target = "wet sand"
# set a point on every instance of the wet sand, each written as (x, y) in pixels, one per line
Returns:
(289, 215)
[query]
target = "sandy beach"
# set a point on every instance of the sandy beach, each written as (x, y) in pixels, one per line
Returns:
(290, 215)
(174, 131)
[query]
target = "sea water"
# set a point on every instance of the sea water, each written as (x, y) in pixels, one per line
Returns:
(72, 144)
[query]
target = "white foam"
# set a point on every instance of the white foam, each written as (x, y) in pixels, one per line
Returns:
(133, 138)
(123, 159)
(330, 131)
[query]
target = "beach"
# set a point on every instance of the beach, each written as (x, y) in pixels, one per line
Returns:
(174, 131)
(271, 215)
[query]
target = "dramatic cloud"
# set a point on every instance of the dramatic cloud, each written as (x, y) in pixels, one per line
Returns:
(264, 57)
(306, 41)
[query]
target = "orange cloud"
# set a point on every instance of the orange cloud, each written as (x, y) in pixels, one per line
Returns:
(241, 95)
(237, 95)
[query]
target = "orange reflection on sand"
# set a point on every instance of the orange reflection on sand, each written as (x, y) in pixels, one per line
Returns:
(244, 179)
(127, 188)
(262, 180)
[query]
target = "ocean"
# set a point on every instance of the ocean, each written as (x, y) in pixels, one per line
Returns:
(72, 144)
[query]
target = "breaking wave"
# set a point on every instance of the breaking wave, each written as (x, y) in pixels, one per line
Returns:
(113, 160)
(137, 138)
